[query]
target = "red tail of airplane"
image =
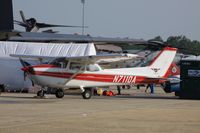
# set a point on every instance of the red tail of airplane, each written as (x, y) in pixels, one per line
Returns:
(162, 62)
(173, 70)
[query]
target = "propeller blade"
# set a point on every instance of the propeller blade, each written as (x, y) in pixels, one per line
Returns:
(25, 74)
(22, 16)
(20, 23)
(24, 63)
(33, 84)
(44, 25)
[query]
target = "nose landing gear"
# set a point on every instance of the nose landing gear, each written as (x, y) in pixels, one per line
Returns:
(41, 93)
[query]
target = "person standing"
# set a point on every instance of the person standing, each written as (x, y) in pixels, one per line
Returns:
(118, 90)
(151, 86)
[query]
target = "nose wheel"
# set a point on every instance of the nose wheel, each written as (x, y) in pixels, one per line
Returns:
(41, 93)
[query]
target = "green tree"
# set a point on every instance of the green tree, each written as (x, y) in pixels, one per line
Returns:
(157, 38)
(184, 44)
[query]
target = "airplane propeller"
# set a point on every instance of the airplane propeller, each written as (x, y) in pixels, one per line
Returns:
(32, 25)
(24, 63)
(27, 69)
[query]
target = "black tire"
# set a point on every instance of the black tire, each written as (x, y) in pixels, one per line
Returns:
(40, 93)
(87, 94)
(59, 93)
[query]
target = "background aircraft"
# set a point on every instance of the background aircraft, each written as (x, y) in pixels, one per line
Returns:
(31, 24)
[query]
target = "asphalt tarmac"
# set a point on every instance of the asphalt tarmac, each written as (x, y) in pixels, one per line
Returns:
(134, 111)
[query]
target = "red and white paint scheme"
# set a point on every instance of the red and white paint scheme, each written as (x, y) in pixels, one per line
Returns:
(84, 73)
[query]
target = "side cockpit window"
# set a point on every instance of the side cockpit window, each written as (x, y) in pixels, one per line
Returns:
(60, 62)
(75, 66)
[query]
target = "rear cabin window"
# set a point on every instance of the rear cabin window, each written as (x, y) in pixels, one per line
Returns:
(92, 68)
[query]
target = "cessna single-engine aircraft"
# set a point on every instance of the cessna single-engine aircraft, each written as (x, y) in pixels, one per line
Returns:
(84, 73)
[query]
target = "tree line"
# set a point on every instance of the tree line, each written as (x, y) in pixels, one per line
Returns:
(184, 44)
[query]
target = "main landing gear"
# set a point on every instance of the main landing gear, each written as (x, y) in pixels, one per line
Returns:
(59, 93)
(87, 93)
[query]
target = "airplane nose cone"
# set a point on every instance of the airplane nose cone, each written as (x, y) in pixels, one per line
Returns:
(25, 69)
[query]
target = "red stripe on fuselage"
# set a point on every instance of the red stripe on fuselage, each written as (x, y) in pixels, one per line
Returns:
(99, 77)
(52, 74)
(45, 66)
(81, 76)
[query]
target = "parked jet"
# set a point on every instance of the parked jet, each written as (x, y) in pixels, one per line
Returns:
(84, 73)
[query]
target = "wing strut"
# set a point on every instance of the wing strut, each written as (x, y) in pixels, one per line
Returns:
(76, 73)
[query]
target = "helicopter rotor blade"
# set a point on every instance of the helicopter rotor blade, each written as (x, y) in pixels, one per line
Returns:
(22, 16)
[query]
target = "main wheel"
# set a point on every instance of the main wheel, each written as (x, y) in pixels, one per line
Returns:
(40, 93)
(59, 93)
(87, 93)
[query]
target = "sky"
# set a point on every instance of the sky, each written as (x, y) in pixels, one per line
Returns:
(139, 19)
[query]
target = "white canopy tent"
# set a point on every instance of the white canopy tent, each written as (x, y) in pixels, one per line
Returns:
(46, 49)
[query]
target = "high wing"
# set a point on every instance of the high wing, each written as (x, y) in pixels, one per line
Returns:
(118, 58)
(103, 58)
(87, 59)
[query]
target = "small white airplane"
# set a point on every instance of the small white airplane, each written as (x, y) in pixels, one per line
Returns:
(84, 72)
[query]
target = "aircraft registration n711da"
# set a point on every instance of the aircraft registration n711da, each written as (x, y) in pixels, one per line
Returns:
(84, 72)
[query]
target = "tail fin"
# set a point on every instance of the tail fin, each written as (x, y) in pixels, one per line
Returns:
(162, 62)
